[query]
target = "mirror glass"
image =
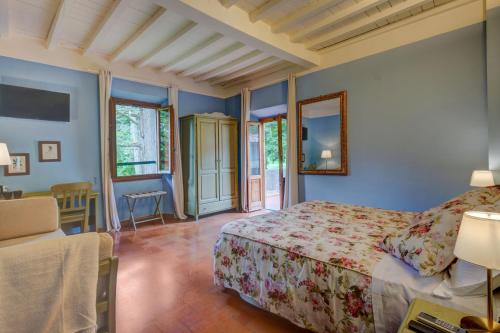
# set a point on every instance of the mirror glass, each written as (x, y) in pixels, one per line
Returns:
(322, 130)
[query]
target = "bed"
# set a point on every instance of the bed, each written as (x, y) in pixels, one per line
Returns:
(319, 265)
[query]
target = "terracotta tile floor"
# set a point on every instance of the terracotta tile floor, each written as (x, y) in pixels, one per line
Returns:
(165, 283)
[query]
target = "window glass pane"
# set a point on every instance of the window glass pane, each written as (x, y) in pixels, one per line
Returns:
(165, 145)
(136, 140)
(254, 153)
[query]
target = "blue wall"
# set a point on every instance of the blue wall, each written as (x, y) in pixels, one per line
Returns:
(79, 138)
(323, 133)
(417, 122)
(493, 67)
(272, 95)
(191, 103)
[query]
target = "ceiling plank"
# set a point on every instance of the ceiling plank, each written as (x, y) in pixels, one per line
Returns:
(279, 67)
(189, 54)
(57, 24)
(234, 23)
(205, 62)
(116, 9)
(302, 14)
(249, 69)
(362, 23)
(262, 11)
(118, 53)
(231, 66)
(337, 17)
(228, 3)
(4, 19)
(166, 44)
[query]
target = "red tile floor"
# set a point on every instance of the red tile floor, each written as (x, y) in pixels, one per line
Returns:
(165, 283)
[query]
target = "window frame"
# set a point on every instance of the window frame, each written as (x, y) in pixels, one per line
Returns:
(112, 138)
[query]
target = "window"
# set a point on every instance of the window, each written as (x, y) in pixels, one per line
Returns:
(141, 140)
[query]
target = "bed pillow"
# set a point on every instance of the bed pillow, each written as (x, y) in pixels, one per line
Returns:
(468, 200)
(465, 279)
(428, 245)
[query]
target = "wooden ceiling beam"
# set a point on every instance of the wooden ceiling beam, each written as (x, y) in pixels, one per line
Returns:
(335, 18)
(207, 61)
(232, 65)
(115, 11)
(262, 11)
(166, 44)
(4, 19)
(279, 67)
(189, 54)
(118, 53)
(249, 69)
(302, 14)
(235, 24)
(228, 3)
(57, 24)
(339, 33)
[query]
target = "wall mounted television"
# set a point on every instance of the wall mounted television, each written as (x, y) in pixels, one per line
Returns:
(28, 103)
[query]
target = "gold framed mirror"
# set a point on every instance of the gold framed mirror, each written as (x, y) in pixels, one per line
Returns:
(323, 135)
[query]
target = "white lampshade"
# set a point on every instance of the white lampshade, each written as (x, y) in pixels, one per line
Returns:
(482, 178)
(478, 240)
(326, 153)
(4, 154)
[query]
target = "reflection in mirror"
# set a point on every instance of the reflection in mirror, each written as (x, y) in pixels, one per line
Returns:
(322, 126)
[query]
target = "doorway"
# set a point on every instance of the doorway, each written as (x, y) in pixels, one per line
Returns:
(274, 139)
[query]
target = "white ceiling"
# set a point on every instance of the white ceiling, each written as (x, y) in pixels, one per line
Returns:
(223, 42)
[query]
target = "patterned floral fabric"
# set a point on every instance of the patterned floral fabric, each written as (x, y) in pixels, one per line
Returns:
(427, 245)
(311, 263)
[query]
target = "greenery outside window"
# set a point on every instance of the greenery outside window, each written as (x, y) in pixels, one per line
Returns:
(141, 140)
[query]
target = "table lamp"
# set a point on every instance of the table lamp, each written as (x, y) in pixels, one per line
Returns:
(4, 158)
(482, 178)
(326, 154)
(478, 242)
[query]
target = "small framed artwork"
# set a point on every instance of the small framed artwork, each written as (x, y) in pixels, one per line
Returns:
(49, 151)
(20, 165)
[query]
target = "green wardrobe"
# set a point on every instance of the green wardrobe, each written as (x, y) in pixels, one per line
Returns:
(209, 145)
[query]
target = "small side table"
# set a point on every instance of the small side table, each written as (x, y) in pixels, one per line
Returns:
(132, 199)
(449, 315)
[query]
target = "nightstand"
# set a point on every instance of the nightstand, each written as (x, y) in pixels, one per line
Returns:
(419, 305)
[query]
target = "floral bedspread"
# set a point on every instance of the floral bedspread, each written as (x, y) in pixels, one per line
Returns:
(311, 263)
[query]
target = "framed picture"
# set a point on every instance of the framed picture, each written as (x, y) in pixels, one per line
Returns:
(49, 151)
(20, 165)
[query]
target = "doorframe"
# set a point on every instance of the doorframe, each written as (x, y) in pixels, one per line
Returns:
(282, 180)
(261, 165)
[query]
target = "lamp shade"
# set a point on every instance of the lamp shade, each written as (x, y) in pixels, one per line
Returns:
(4, 154)
(478, 240)
(326, 153)
(482, 178)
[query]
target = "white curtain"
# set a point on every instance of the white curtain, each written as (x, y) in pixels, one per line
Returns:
(177, 184)
(291, 196)
(108, 193)
(245, 117)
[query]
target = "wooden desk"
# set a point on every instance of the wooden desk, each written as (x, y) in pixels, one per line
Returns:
(449, 315)
(93, 198)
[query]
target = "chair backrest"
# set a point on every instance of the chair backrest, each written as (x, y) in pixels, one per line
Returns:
(72, 196)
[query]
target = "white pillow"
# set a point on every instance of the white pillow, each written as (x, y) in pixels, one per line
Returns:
(466, 279)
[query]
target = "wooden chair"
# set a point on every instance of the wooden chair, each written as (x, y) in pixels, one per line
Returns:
(74, 202)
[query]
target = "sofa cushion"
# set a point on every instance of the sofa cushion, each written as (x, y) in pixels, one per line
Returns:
(26, 217)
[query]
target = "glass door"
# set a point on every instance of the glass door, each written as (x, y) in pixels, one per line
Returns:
(255, 174)
(274, 160)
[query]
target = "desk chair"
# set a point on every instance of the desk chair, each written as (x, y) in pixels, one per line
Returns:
(74, 201)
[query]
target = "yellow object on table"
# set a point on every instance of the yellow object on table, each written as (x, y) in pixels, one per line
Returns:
(449, 315)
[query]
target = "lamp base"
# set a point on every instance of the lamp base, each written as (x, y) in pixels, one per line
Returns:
(478, 324)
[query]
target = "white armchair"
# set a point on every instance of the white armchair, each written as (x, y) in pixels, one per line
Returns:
(32, 224)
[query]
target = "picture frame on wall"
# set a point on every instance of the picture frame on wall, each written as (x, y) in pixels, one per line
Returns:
(49, 151)
(20, 165)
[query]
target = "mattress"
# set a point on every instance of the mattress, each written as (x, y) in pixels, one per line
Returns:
(311, 264)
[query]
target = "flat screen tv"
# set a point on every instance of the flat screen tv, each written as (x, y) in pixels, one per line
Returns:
(28, 103)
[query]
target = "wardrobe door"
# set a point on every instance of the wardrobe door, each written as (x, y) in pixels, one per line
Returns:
(208, 174)
(228, 159)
